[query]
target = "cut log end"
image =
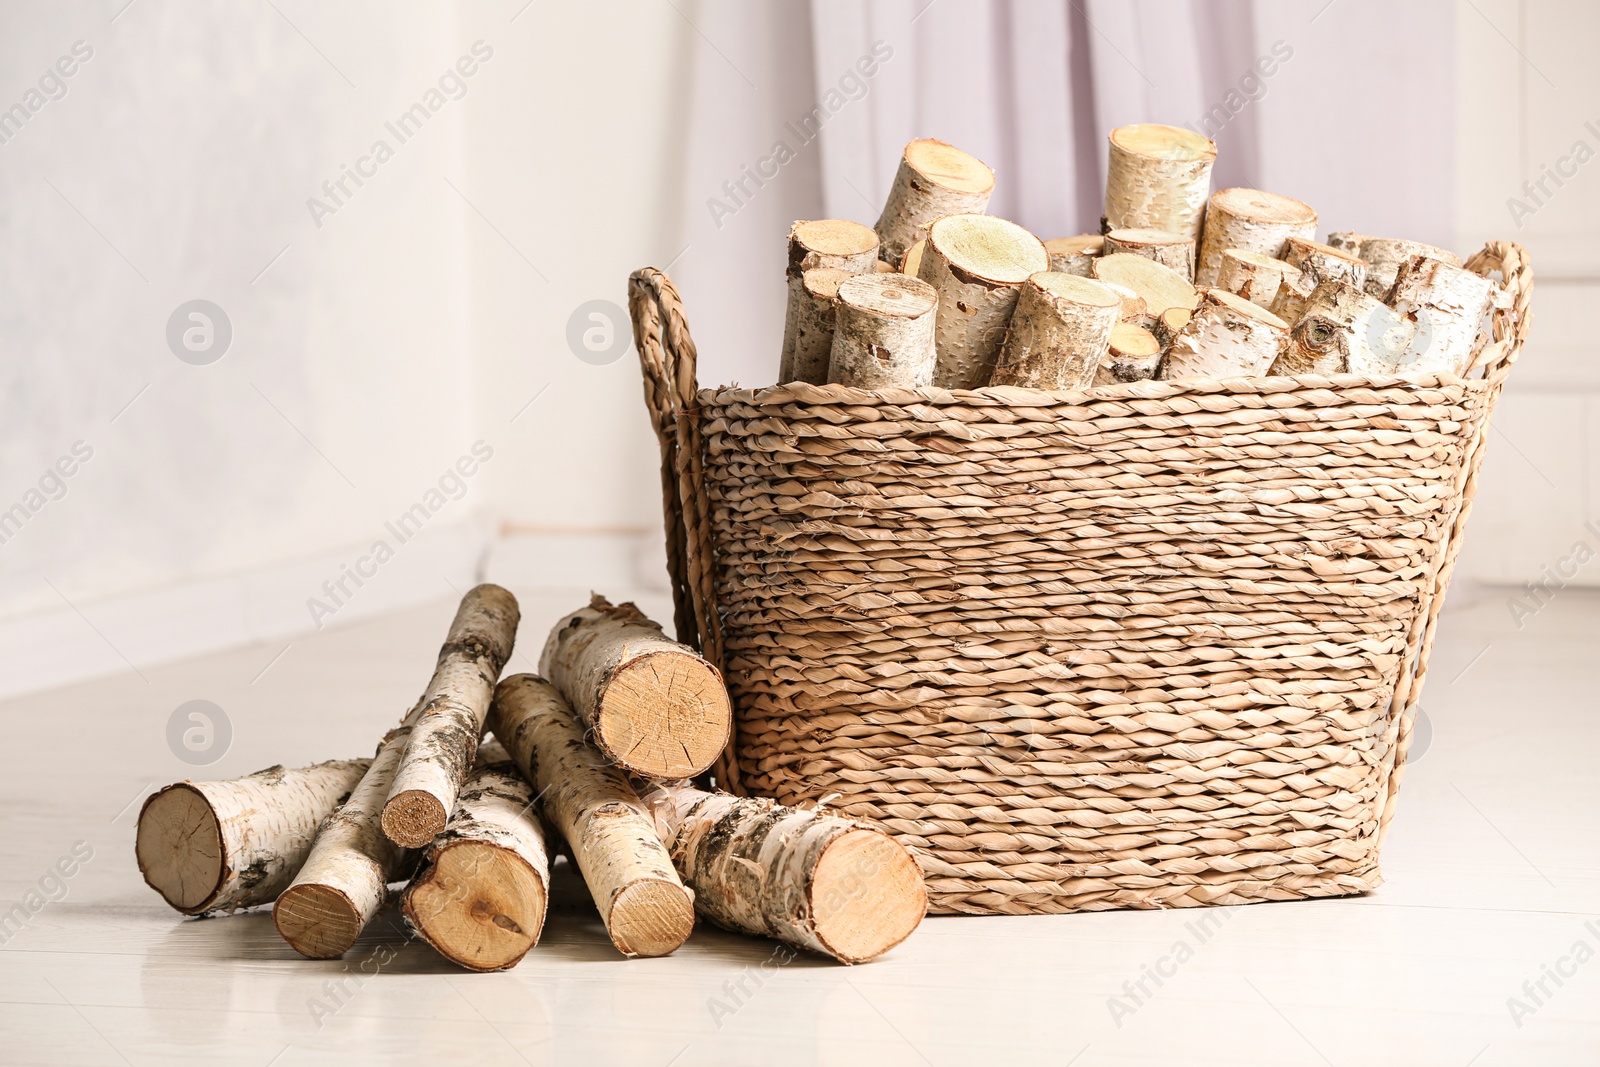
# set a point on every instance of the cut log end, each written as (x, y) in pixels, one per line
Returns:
(1153, 140)
(179, 848)
(867, 895)
(479, 905)
(948, 166)
(664, 715)
(651, 918)
(318, 921)
(818, 242)
(989, 249)
(413, 818)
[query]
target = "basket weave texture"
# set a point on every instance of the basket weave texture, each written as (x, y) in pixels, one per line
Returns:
(1151, 645)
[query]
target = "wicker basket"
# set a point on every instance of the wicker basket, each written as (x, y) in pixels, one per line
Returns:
(1153, 645)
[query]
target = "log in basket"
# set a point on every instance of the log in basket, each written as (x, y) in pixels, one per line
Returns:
(1145, 646)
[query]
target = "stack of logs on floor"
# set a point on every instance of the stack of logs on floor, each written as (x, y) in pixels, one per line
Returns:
(594, 757)
(1180, 283)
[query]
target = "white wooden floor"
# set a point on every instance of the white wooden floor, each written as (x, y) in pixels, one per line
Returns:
(1493, 867)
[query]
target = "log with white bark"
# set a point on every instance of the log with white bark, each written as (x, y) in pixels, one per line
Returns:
(1324, 263)
(1384, 255)
(884, 332)
(1336, 333)
(352, 861)
(1075, 255)
(1447, 305)
(1252, 220)
(1133, 308)
(976, 264)
(1228, 337)
(836, 243)
(444, 742)
(1171, 323)
(1168, 249)
(653, 706)
(1251, 276)
(643, 903)
(912, 260)
(1058, 333)
(222, 846)
(1157, 178)
(814, 323)
(934, 180)
(1134, 355)
(480, 894)
(819, 881)
(1160, 286)
(1347, 241)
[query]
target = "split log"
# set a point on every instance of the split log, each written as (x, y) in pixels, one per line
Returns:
(441, 748)
(835, 243)
(1170, 323)
(1074, 255)
(352, 861)
(1447, 306)
(1157, 179)
(1335, 334)
(645, 907)
(1058, 333)
(1161, 287)
(1324, 263)
(221, 846)
(1227, 338)
(934, 180)
(1134, 355)
(880, 267)
(1384, 255)
(1252, 220)
(814, 324)
(912, 260)
(1251, 276)
(1133, 307)
(976, 264)
(652, 705)
(1293, 291)
(1168, 249)
(884, 335)
(818, 881)
(480, 895)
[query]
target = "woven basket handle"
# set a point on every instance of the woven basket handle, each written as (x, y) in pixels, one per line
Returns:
(1511, 317)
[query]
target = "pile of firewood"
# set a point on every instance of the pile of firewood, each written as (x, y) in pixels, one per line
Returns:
(1179, 283)
(460, 828)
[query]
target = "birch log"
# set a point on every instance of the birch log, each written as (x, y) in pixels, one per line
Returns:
(976, 264)
(1058, 334)
(352, 861)
(884, 333)
(481, 892)
(1074, 255)
(1384, 255)
(815, 880)
(1133, 307)
(645, 907)
(934, 180)
(651, 705)
(1251, 220)
(1134, 355)
(1157, 178)
(814, 323)
(1347, 241)
(1171, 323)
(1228, 337)
(1324, 263)
(912, 260)
(1446, 305)
(1293, 291)
(445, 740)
(221, 846)
(1160, 286)
(836, 243)
(1251, 276)
(1335, 334)
(1168, 249)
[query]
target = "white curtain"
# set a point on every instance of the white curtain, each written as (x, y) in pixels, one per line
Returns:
(1309, 99)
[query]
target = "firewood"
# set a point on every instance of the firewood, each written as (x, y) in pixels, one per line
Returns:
(222, 846)
(1251, 276)
(480, 894)
(1384, 255)
(1446, 305)
(653, 706)
(976, 264)
(1324, 263)
(835, 243)
(442, 746)
(1160, 286)
(1133, 308)
(645, 907)
(1227, 337)
(1251, 220)
(1293, 290)
(1074, 255)
(1134, 355)
(818, 881)
(1170, 323)
(1157, 179)
(814, 324)
(934, 180)
(884, 332)
(912, 260)
(1347, 241)
(1168, 249)
(1335, 333)
(352, 861)
(1060, 330)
